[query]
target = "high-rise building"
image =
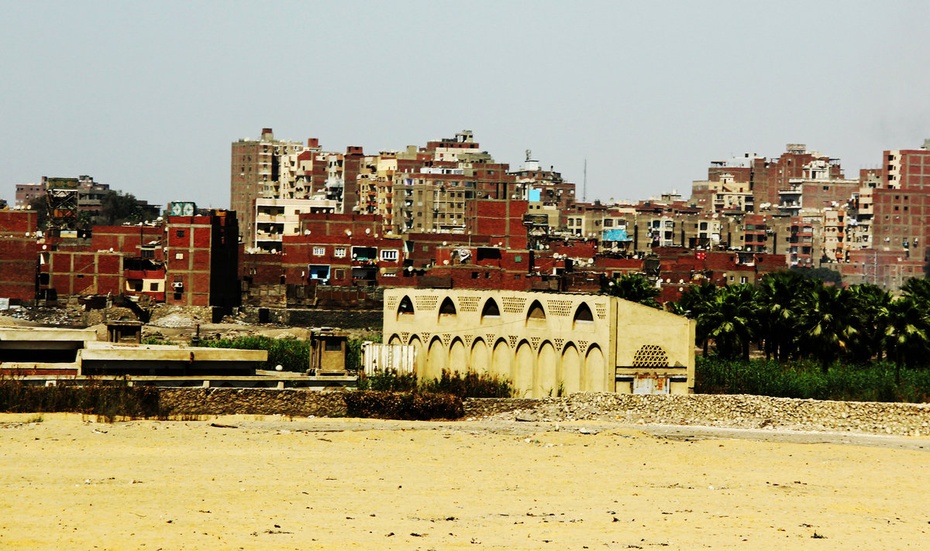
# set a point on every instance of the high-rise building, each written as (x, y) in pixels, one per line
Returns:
(255, 164)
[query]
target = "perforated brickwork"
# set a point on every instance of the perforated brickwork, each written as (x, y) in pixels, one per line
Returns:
(559, 343)
(582, 346)
(513, 305)
(535, 342)
(650, 355)
(391, 303)
(491, 339)
(601, 310)
(512, 339)
(426, 302)
(560, 308)
(469, 304)
(405, 337)
(446, 337)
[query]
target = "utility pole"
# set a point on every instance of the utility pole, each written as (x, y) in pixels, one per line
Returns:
(584, 185)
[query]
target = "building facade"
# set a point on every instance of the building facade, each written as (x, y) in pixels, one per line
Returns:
(547, 344)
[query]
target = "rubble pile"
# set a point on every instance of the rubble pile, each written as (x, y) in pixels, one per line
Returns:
(175, 320)
(726, 411)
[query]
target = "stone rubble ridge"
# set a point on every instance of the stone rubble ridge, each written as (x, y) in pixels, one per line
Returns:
(726, 411)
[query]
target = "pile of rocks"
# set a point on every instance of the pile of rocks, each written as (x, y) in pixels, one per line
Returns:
(729, 411)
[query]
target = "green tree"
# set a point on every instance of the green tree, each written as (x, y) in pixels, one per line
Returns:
(917, 289)
(635, 288)
(869, 304)
(827, 331)
(731, 321)
(906, 333)
(695, 303)
(778, 301)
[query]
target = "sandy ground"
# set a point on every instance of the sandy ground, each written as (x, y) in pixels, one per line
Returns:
(268, 483)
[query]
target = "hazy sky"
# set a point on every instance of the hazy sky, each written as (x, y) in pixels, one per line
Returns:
(148, 96)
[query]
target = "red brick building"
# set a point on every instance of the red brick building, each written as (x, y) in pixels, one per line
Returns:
(18, 255)
(203, 260)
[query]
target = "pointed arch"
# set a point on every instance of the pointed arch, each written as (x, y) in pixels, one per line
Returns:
(447, 307)
(419, 356)
(545, 379)
(536, 315)
(524, 365)
(479, 360)
(458, 357)
(490, 309)
(571, 369)
(536, 311)
(405, 308)
(395, 339)
(437, 356)
(583, 318)
(502, 359)
(595, 379)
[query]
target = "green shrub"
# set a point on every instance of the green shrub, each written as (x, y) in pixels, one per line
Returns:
(873, 382)
(388, 380)
(470, 385)
(291, 354)
(105, 399)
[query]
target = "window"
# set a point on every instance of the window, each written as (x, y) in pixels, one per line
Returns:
(319, 251)
(339, 252)
(179, 233)
(389, 255)
(179, 256)
(153, 286)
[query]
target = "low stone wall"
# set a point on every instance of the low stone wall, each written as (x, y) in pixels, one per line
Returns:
(741, 411)
(252, 401)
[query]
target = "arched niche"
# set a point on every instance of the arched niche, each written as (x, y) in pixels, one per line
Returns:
(536, 315)
(583, 318)
(545, 381)
(479, 361)
(571, 369)
(594, 370)
(490, 310)
(524, 365)
(458, 357)
(502, 360)
(405, 308)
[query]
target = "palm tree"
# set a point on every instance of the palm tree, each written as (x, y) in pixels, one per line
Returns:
(906, 332)
(825, 321)
(779, 297)
(695, 303)
(731, 321)
(869, 304)
(917, 289)
(635, 288)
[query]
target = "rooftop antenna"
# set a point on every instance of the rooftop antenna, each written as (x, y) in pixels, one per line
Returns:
(584, 185)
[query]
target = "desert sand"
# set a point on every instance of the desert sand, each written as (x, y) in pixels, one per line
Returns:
(70, 482)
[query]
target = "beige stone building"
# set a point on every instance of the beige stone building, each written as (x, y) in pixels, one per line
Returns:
(545, 343)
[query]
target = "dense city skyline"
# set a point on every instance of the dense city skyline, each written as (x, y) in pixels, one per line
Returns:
(147, 98)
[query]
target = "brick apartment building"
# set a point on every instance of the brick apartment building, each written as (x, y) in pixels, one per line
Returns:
(18, 255)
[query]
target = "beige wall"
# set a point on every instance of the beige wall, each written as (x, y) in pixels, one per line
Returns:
(561, 351)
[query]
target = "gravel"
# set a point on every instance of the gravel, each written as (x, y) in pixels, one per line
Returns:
(721, 411)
